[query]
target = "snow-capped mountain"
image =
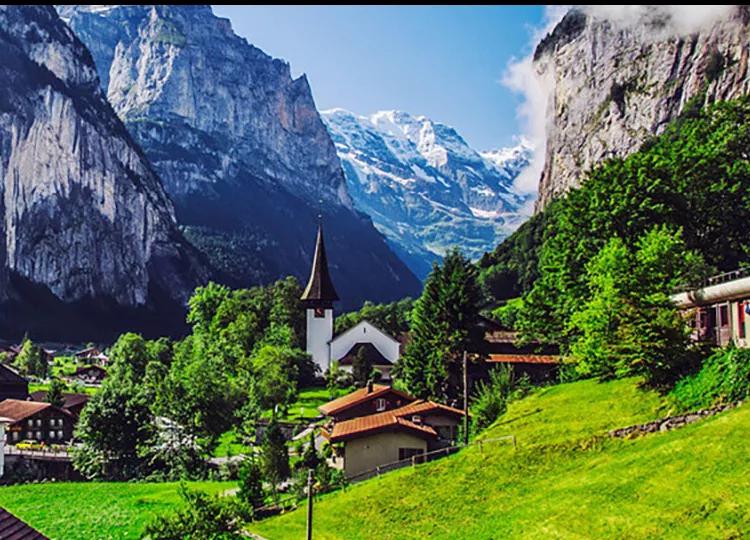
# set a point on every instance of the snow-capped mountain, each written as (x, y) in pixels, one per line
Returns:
(425, 188)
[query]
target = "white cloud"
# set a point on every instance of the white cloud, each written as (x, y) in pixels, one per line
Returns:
(521, 77)
(678, 20)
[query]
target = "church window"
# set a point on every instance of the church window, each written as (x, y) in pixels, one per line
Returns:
(320, 313)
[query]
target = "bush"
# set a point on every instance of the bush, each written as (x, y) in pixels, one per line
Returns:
(724, 378)
(492, 397)
(202, 518)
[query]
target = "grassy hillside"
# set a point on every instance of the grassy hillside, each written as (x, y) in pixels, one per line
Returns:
(93, 510)
(566, 480)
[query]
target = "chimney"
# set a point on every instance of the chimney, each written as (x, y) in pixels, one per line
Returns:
(369, 386)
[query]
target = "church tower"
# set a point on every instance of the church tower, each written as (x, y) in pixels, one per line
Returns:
(318, 298)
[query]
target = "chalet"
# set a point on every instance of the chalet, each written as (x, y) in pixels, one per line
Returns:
(89, 374)
(12, 528)
(372, 399)
(94, 354)
(496, 346)
(36, 420)
(73, 403)
(718, 310)
(366, 442)
(318, 298)
(12, 385)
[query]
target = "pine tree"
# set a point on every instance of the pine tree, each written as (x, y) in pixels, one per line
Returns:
(443, 325)
(251, 484)
(55, 393)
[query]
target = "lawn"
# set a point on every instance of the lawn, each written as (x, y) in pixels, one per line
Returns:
(94, 510)
(566, 480)
(307, 403)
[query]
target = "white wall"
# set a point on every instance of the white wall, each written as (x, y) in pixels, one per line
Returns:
(319, 334)
(365, 332)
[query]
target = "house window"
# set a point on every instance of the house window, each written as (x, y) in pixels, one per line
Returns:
(407, 453)
(380, 404)
(51, 434)
(59, 434)
(30, 422)
(38, 422)
(15, 435)
(723, 315)
(29, 434)
(38, 435)
(417, 419)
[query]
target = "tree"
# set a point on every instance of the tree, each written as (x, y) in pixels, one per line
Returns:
(629, 326)
(275, 370)
(55, 392)
(251, 484)
(443, 325)
(491, 398)
(274, 456)
(31, 360)
(362, 367)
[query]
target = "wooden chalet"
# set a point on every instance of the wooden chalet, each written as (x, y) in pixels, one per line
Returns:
(12, 385)
(12, 528)
(72, 402)
(36, 420)
(92, 374)
(373, 398)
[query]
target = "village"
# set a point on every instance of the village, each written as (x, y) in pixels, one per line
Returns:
(372, 427)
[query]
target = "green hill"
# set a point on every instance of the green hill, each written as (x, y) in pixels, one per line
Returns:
(567, 479)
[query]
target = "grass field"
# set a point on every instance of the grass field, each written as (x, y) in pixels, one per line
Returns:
(93, 510)
(566, 480)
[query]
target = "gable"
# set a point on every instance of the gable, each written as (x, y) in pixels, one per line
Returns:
(365, 332)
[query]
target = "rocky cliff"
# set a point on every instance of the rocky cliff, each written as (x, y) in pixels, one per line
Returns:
(612, 82)
(85, 221)
(239, 145)
(425, 188)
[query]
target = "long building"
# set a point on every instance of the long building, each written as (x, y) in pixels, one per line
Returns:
(719, 310)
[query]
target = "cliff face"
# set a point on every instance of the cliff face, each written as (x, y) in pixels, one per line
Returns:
(612, 84)
(84, 218)
(239, 145)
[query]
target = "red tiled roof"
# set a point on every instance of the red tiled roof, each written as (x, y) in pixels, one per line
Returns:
(359, 396)
(12, 528)
(524, 358)
(396, 418)
(356, 427)
(18, 409)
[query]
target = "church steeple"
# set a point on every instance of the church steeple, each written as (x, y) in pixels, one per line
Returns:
(320, 291)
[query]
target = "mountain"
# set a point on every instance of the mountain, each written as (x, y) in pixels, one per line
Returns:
(89, 239)
(239, 146)
(612, 82)
(425, 188)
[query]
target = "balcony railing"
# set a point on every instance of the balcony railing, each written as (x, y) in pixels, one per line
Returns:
(716, 280)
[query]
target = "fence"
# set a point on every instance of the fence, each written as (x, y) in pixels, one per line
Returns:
(427, 457)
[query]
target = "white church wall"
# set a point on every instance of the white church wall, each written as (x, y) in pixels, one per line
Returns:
(365, 332)
(319, 334)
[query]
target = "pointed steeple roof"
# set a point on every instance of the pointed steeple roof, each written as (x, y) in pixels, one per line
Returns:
(320, 288)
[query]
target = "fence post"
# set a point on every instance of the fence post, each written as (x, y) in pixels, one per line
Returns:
(377, 470)
(414, 461)
(515, 444)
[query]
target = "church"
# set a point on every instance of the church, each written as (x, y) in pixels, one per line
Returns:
(318, 298)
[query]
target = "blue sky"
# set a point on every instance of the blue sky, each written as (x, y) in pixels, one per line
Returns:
(445, 62)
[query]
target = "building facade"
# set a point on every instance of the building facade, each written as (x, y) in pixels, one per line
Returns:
(719, 311)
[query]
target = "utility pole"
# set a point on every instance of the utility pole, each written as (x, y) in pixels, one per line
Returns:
(466, 400)
(309, 503)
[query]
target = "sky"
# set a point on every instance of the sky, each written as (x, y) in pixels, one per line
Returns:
(444, 62)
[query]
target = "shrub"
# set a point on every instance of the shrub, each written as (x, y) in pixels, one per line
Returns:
(724, 377)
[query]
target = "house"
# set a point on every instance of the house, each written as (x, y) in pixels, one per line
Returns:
(12, 528)
(718, 310)
(90, 374)
(372, 399)
(73, 403)
(318, 298)
(36, 420)
(366, 442)
(12, 385)
(495, 346)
